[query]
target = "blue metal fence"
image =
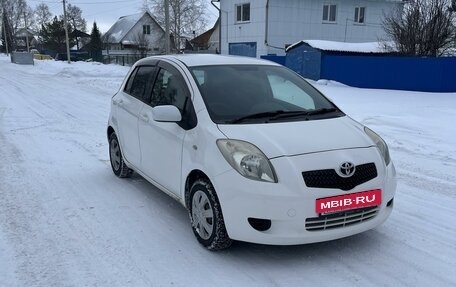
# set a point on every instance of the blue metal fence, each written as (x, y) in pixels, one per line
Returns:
(392, 72)
(380, 71)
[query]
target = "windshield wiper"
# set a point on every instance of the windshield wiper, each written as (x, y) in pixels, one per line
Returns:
(280, 114)
(257, 116)
(322, 111)
(304, 113)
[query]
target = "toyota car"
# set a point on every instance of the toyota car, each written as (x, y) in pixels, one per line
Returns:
(252, 150)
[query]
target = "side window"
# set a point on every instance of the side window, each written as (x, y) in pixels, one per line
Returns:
(359, 14)
(140, 82)
(130, 81)
(329, 12)
(146, 29)
(243, 12)
(169, 89)
(287, 91)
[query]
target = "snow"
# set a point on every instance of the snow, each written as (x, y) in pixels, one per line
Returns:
(369, 47)
(66, 220)
(118, 31)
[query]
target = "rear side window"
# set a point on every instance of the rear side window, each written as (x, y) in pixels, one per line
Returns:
(139, 81)
(130, 81)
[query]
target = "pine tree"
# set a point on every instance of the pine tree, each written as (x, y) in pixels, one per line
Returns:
(53, 36)
(96, 45)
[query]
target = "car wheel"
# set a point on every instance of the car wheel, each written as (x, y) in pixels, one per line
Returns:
(206, 216)
(115, 155)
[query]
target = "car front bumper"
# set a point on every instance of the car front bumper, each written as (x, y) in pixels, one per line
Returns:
(289, 203)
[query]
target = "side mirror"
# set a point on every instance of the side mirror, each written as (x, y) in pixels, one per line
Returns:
(167, 113)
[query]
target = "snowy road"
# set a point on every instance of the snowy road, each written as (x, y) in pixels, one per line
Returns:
(66, 220)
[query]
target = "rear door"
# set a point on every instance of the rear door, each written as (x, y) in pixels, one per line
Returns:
(130, 102)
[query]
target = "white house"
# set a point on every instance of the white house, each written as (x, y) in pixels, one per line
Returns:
(133, 33)
(261, 27)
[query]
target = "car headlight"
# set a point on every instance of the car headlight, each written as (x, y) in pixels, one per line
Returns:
(247, 159)
(381, 144)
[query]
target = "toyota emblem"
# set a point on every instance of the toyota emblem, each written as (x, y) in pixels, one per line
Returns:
(347, 169)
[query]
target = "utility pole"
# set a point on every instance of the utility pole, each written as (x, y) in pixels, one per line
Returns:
(167, 45)
(3, 27)
(26, 33)
(66, 32)
(6, 38)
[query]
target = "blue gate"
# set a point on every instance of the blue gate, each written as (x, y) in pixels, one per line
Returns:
(248, 49)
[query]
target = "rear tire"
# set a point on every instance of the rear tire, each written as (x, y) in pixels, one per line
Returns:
(206, 216)
(118, 165)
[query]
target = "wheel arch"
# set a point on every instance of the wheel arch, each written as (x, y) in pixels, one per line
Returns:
(109, 131)
(191, 178)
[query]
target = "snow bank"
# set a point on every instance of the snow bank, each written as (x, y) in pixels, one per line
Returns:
(369, 47)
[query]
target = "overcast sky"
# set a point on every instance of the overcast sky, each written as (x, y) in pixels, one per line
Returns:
(106, 12)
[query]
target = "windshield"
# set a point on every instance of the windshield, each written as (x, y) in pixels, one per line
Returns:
(259, 93)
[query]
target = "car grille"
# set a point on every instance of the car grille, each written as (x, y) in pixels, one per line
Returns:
(341, 219)
(328, 178)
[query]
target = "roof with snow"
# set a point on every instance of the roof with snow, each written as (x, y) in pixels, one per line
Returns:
(23, 32)
(121, 28)
(369, 47)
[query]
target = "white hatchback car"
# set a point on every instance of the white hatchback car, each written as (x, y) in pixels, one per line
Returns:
(251, 149)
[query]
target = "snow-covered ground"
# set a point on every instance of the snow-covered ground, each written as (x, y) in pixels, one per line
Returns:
(66, 220)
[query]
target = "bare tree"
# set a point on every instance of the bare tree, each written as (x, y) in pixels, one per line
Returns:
(141, 44)
(42, 15)
(421, 27)
(15, 11)
(186, 16)
(75, 19)
(15, 14)
(453, 6)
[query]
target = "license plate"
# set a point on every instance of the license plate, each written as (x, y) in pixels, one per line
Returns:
(349, 201)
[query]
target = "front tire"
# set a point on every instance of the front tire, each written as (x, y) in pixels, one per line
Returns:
(118, 165)
(206, 216)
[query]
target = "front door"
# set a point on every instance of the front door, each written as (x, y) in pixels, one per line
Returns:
(161, 142)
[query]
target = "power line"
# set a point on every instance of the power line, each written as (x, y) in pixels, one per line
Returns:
(103, 2)
(40, 1)
(107, 11)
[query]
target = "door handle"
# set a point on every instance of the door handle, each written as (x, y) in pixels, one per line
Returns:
(120, 103)
(144, 117)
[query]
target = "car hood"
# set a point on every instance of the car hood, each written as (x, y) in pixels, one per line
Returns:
(294, 138)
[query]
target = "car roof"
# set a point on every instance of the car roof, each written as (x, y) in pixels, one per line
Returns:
(193, 60)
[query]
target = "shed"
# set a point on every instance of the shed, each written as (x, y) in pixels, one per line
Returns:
(307, 57)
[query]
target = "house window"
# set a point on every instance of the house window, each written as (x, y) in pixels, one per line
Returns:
(146, 29)
(243, 12)
(359, 14)
(329, 12)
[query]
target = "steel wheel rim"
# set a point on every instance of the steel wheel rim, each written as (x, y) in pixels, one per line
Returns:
(202, 215)
(114, 151)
